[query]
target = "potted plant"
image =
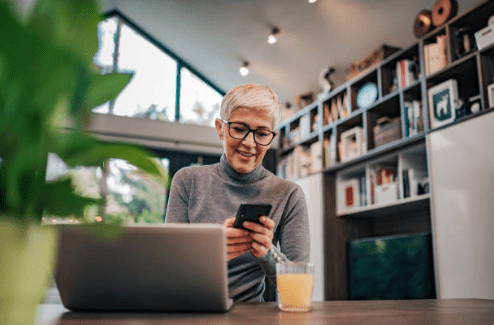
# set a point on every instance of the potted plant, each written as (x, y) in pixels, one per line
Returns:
(47, 81)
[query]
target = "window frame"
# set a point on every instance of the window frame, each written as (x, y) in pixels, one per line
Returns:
(180, 62)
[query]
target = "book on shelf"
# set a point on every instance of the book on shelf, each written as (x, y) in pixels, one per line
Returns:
(294, 136)
(334, 111)
(284, 169)
(407, 118)
(316, 157)
(301, 161)
(344, 102)
(413, 117)
(342, 107)
(426, 60)
(305, 126)
(326, 114)
(405, 72)
(407, 175)
(435, 55)
(418, 116)
(363, 190)
(329, 152)
(314, 123)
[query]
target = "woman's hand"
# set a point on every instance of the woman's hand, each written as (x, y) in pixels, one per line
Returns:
(238, 241)
(262, 235)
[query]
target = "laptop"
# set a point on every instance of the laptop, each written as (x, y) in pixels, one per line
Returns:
(166, 267)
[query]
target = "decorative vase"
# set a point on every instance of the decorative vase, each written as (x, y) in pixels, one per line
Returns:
(27, 257)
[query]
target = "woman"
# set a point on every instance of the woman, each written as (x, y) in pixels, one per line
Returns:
(212, 194)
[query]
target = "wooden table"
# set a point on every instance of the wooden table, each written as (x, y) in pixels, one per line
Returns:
(402, 312)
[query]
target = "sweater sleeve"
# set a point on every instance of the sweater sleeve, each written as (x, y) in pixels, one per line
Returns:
(293, 234)
(178, 201)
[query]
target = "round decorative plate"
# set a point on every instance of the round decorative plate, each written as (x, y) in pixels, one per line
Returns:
(367, 94)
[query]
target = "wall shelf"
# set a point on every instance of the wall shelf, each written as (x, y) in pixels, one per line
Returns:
(406, 103)
(399, 208)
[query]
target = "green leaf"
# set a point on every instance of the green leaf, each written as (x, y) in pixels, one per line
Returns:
(21, 183)
(17, 48)
(106, 87)
(80, 149)
(60, 199)
(70, 24)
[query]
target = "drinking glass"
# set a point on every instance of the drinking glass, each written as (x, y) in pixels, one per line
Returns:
(295, 284)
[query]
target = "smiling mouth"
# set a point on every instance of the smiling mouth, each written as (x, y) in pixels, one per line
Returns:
(246, 154)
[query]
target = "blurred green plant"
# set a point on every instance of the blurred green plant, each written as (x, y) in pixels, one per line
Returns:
(48, 87)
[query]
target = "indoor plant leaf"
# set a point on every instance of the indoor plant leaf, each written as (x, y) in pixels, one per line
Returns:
(105, 87)
(76, 148)
(68, 202)
(71, 24)
(47, 86)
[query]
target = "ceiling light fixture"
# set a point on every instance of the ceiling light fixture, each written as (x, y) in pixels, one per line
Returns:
(272, 37)
(312, 1)
(244, 69)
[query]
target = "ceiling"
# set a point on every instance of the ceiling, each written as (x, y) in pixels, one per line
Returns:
(216, 36)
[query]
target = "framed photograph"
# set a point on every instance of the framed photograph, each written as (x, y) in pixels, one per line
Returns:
(490, 94)
(442, 103)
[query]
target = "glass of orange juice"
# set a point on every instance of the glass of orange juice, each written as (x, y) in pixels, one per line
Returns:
(295, 284)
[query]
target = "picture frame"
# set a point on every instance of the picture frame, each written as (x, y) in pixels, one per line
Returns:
(490, 95)
(349, 194)
(442, 99)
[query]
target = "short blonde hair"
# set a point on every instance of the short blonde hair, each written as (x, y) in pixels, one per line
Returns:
(253, 95)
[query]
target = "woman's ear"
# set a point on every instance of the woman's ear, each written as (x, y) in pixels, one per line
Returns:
(219, 128)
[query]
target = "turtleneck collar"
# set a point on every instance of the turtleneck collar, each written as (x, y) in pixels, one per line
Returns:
(225, 169)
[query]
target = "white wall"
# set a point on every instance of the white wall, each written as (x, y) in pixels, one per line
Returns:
(462, 183)
(312, 186)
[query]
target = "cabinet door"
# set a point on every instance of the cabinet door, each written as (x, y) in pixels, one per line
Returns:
(313, 189)
(462, 183)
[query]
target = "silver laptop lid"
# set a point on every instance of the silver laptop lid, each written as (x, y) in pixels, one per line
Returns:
(170, 267)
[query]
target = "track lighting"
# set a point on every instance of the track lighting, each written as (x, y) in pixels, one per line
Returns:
(272, 37)
(244, 69)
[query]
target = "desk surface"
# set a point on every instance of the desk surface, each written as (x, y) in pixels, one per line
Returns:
(455, 311)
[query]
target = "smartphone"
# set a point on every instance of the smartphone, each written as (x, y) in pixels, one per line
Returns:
(251, 212)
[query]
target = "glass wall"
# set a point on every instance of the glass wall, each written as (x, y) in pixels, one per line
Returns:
(199, 103)
(163, 87)
(152, 92)
(130, 196)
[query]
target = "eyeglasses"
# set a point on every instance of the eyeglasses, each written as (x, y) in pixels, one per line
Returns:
(240, 131)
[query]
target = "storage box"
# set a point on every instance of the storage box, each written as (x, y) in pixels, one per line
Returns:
(352, 143)
(371, 60)
(387, 130)
(386, 193)
(485, 37)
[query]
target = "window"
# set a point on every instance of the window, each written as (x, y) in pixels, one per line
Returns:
(199, 103)
(131, 196)
(152, 93)
(103, 59)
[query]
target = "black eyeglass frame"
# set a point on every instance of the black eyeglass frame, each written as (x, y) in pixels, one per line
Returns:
(250, 130)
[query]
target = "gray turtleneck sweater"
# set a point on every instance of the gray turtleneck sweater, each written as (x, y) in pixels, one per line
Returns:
(213, 193)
